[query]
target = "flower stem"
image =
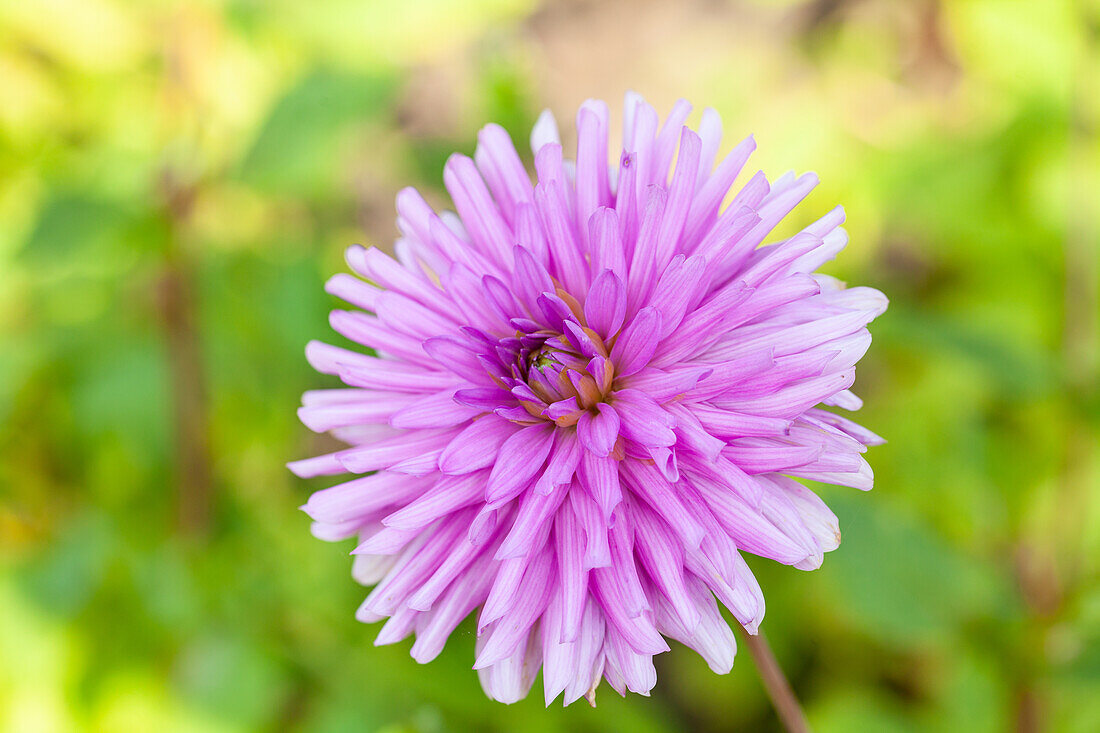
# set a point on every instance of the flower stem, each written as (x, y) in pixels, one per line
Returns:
(775, 683)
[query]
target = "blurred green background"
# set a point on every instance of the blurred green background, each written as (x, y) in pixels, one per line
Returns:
(178, 179)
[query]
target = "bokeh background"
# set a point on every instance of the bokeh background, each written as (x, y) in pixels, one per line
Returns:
(177, 180)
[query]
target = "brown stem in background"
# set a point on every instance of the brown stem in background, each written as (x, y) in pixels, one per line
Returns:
(187, 383)
(184, 46)
(1028, 711)
(775, 682)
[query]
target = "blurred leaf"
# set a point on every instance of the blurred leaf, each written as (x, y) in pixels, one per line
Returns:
(1017, 372)
(298, 147)
(67, 573)
(902, 583)
(975, 696)
(233, 679)
(164, 582)
(122, 387)
(508, 101)
(854, 710)
(76, 227)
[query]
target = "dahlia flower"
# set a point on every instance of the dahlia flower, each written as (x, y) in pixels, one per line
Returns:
(581, 400)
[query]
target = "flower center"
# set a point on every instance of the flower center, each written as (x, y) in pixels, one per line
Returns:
(555, 375)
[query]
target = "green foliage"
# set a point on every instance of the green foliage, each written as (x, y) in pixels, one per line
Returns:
(178, 179)
(306, 130)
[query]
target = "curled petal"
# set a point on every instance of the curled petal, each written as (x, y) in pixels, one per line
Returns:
(598, 432)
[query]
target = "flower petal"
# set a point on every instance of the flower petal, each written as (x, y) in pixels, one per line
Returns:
(599, 432)
(637, 343)
(605, 305)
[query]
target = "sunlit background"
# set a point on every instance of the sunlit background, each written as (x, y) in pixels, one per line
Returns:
(178, 180)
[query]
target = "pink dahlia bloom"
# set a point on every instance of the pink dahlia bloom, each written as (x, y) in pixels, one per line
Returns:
(584, 399)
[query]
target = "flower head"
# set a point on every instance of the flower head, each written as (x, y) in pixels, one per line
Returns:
(586, 398)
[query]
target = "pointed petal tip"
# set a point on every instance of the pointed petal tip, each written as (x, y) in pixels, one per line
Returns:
(544, 132)
(301, 468)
